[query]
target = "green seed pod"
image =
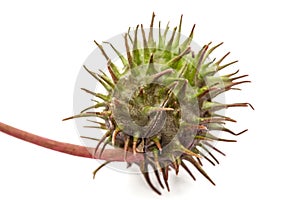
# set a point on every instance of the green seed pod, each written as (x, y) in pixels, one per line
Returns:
(161, 102)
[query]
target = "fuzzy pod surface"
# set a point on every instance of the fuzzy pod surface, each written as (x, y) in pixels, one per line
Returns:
(160, 102)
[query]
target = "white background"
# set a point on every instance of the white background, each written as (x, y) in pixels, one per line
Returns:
(42, 47)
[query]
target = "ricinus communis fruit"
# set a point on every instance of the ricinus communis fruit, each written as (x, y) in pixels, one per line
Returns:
(161, 102)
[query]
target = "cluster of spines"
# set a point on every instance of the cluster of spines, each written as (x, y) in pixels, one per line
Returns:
(194, 69)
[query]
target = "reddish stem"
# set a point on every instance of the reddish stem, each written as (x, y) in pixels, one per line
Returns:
(72, 149)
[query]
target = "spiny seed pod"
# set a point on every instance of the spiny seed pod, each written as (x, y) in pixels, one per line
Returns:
(160, 103)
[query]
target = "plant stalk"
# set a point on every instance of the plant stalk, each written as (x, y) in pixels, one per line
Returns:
(71, 149)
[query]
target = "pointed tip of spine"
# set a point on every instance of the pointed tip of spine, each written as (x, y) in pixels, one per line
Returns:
(219, 61)
(143, 168)
(150, 36)
(101, 49)
(249, 104)
(96, 42)
(68, 118)
(165, 176)
(180, 22)
(192, 31)
(128, 52)
(152, 19)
